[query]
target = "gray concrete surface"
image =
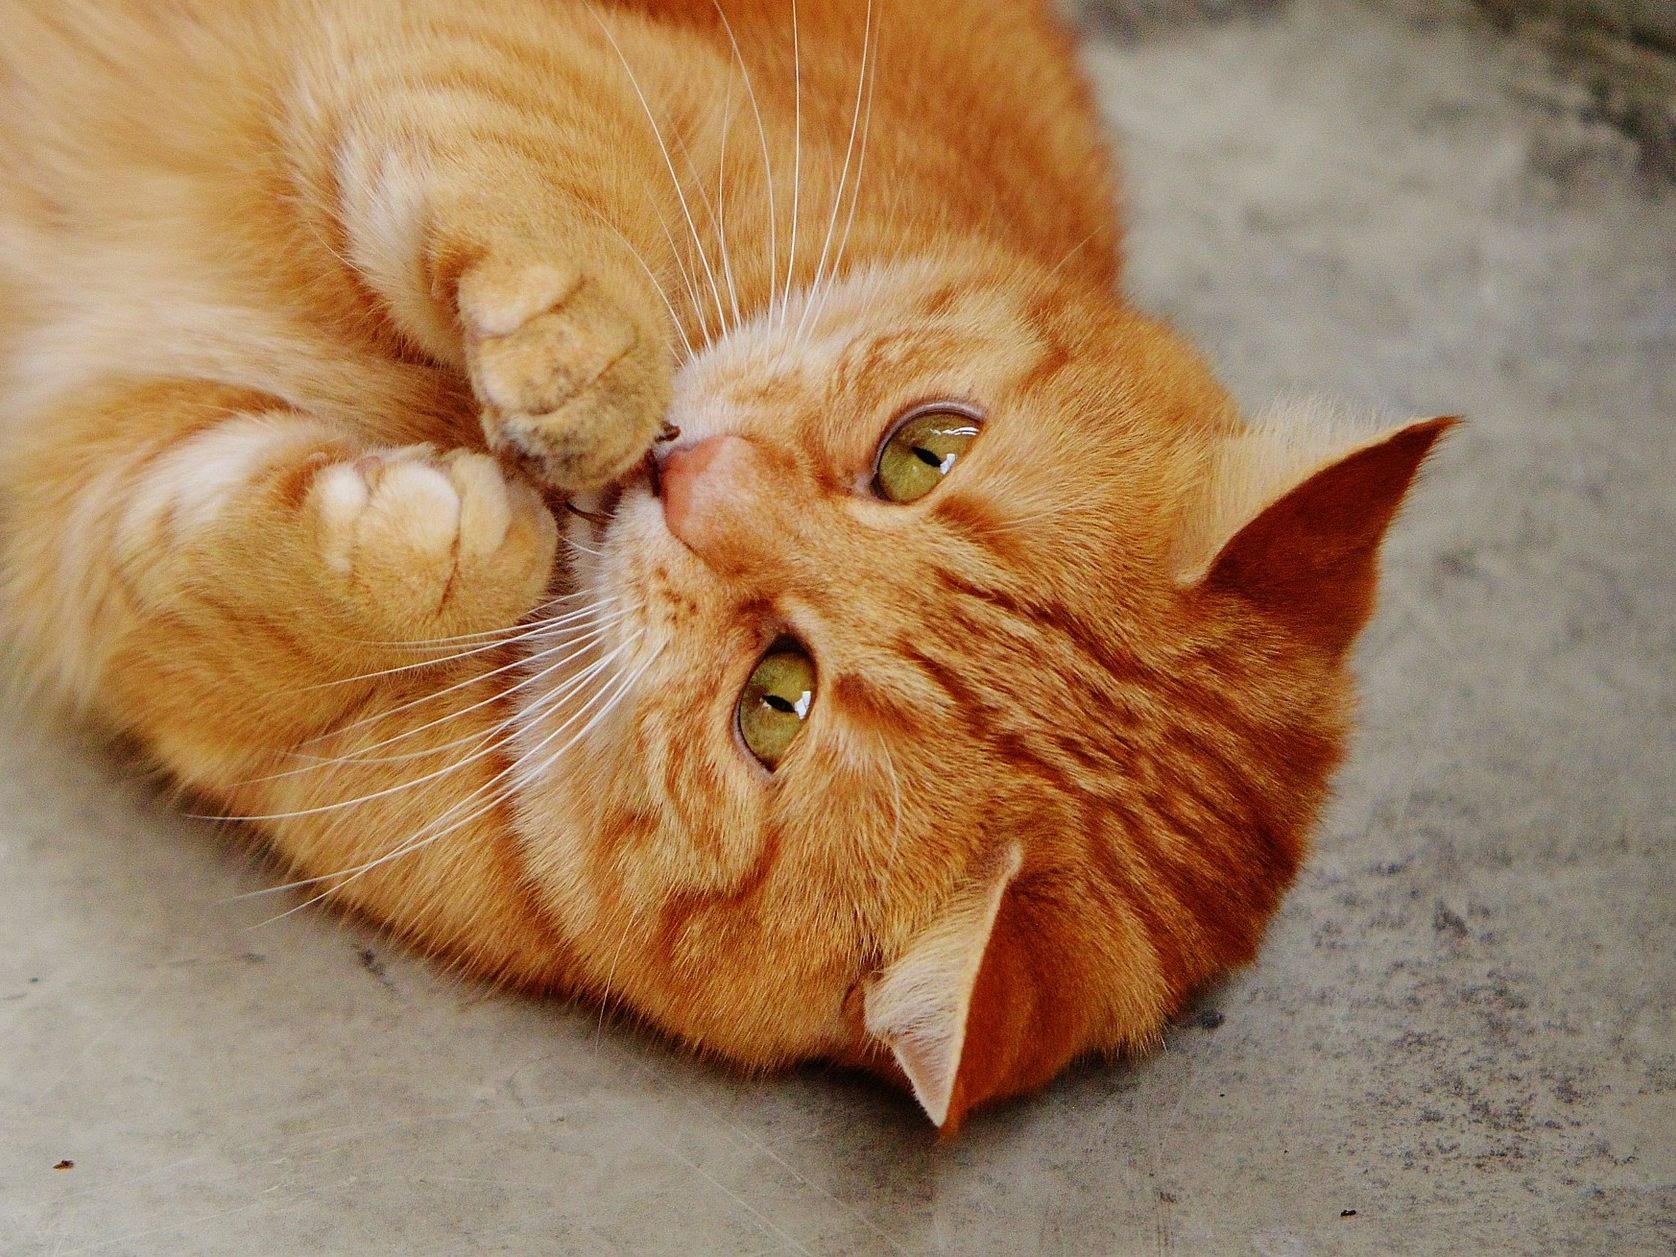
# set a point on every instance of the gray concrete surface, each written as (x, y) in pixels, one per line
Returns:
(1461, 1036)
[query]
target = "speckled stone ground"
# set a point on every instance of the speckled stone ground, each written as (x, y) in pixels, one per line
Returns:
(1461, 1037)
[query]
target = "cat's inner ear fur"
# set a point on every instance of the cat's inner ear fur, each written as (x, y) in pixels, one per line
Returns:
(1291, 516)
(921, 1005)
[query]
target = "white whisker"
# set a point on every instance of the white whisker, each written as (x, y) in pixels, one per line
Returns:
(576, 648)
(582, 549)
(861, 171)
(844, 176)
(1069, 254)
(674, 318)
(762, 135)
(669, 161)
(345, 876)
(616, 697)
(527, 632)
(520, 627)
(721, 205)
(433, 695)
(797, 161)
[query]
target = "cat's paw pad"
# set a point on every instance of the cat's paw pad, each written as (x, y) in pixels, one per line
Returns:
(415, 545)
(573, 384)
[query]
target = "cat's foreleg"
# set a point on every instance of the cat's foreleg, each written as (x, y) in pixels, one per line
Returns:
(511, 227)
(306, 629)
(225, 576)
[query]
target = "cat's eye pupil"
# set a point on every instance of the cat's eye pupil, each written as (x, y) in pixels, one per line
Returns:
(921, 450)
(776, 702)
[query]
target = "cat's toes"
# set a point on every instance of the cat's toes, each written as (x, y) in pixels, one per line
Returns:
(416, 545)
(573, 382)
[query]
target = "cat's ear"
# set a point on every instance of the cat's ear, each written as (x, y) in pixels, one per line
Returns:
(964, 1009)
(1292, 517)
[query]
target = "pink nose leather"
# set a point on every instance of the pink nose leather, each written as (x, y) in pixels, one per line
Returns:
(703, 484)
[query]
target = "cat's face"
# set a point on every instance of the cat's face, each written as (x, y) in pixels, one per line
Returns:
(1012, 778)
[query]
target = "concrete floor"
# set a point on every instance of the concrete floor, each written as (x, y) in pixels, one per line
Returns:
(1461, 1036)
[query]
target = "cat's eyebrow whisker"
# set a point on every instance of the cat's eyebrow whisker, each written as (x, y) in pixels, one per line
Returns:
(343, 877)
(721, 206)
(844, 175)
(669, 161)
(713, 215)
(714, 212)
(674, 318)
(1069, 254)
(797, 161)
(762, 135)
(860, 173)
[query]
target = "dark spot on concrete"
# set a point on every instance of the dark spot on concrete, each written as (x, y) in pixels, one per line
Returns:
(1209, 1019)
(1347, 1213)
(1136, 19)
(1447, 921)
(373, 965)
(1169, 1198)
(65, 1164)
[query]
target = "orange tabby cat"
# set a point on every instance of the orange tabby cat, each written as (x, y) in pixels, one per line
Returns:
(949, 696)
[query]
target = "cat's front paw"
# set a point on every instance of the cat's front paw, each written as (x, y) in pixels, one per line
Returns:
(412, 545)
(572, 373)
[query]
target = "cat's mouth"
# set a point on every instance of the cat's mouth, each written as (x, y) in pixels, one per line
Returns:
(600, 509)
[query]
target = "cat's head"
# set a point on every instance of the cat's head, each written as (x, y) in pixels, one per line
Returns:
(981, 676)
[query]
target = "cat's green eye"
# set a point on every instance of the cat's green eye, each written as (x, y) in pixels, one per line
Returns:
(921, 450)
(776, 703)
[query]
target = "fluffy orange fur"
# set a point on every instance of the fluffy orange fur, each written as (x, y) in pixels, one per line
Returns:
(314, 312)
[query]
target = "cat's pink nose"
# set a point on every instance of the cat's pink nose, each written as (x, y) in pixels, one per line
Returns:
(703, 486)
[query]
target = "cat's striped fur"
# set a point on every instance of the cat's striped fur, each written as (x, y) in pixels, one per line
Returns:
(312, 310)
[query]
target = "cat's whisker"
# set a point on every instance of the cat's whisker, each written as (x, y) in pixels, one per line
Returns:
(456, 656)
(343, 877)
(360, 759)
(713, 218)
(695, 301)
(669, 161)
(436, 694)
(797, 160)
(423, 839)
(844, 175)
(575, 647)
(510, 632)
(860, 173)
(582, 549)
(674, 318)
(721, 206)
(1069, 254)
(762, 135)
(623, 685)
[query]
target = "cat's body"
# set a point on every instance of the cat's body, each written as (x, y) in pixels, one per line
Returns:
(1076, 709)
